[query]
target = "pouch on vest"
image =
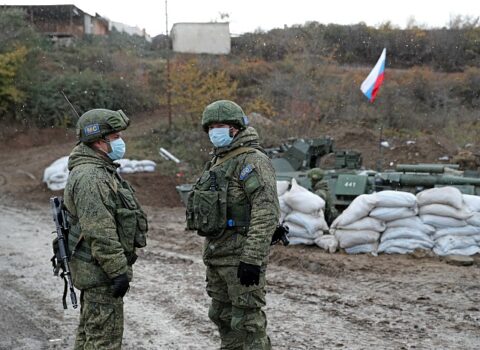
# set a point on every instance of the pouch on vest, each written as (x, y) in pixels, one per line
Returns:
(131, 224)
(127, 197)
(206, 206)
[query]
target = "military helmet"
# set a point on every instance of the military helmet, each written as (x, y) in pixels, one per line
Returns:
(97, 123)
(225, 112)
(316, 174)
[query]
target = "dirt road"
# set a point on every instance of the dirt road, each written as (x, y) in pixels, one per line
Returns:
(315, 300)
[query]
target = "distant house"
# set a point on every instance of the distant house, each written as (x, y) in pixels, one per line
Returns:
(63, 21)
(212, 38)
(125, 28)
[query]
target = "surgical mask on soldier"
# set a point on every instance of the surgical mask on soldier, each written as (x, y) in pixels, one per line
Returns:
(220, 137)
(118, 149)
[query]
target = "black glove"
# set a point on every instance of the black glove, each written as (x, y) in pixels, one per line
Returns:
(249, 274)
(120, 286)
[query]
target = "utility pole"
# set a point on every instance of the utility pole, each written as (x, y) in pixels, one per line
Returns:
(169, 96)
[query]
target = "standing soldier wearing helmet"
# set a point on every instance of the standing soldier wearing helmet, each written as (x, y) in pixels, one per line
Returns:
(320, 187)
(107, 224)
(234, 205)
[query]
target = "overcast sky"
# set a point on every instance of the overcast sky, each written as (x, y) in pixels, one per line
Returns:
(249, 15)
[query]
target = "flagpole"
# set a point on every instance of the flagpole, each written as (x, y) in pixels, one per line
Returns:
(380, 149)
(370, 88)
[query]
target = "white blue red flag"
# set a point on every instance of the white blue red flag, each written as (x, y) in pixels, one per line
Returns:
(371, 85)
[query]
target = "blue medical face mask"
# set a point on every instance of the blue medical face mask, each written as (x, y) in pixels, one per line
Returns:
(220, 137)
(118, 149)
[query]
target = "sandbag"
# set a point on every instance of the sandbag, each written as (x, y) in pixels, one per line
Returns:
(472, 202)
(295, 230)
(450, 245)
(393, 213)
(350, 238)
(56, 174)
(302, 200)
(327, 242)
(407, 245)
(366, 223)
(405, 233)
(358, 209)
(282, 187)
(299, 240)
(395, 199)
(442, 221)
(412, 222)
(441, 195)
(363, 249)
(312, 223)
(474, 220)
(284, 208)
(397, 250)
(129, 166)
(457, 232)
(445, 210)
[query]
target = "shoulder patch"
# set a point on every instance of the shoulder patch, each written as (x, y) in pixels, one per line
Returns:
(91, 129)
(247, 169)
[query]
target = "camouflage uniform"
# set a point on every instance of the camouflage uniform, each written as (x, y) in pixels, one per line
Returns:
(240, 230)
(107, 224)
(320, 187)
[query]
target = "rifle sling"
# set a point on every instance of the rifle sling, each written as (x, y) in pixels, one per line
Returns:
(65, 288)
(78, 244)
(231, 154)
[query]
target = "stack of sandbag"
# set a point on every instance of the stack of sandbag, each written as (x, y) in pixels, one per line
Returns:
(404, 231)
(56, 174)
(282, 188)
(355, 230)
(455, 225)
(302, 211)
(129, 166)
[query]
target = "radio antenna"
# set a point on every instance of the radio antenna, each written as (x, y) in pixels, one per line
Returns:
(68, 101)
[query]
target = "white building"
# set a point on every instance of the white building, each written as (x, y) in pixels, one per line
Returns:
(121, 27)
(212, 38)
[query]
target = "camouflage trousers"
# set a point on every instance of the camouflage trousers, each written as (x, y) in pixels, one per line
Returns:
(236, 310)
(101, 320)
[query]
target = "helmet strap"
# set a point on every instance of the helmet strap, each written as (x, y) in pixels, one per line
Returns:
(107, 141)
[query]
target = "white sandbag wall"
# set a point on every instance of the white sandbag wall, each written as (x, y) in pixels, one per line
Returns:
(56, 174)
(302, 211)
(130, 166)
(392, 222)
(355, 230)
(405, 232)
(456, 228)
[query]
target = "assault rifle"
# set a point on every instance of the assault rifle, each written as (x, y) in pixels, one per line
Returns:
(280, 234)
(60, 250)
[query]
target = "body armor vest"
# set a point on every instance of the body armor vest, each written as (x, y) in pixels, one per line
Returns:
(132, 227)
(210, 211)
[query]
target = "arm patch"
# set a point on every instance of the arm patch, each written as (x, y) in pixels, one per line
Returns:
(252, 183)
(247, 169)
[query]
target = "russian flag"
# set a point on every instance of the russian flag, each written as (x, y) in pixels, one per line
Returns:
(371, 85)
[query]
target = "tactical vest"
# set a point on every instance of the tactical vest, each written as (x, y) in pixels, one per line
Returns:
(132, 227)
(209, 210)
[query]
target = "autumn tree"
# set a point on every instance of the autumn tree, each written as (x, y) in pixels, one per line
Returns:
(192, 90)
(10, 63)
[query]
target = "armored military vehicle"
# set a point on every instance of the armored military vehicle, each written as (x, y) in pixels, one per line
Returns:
(347, 178)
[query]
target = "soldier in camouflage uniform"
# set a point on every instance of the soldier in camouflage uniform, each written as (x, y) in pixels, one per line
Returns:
(107, 224)
(234, 205)
(320, 187)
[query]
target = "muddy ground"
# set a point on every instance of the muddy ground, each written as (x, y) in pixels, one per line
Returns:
(315, 300)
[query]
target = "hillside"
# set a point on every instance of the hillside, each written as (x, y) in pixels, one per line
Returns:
(304, 80)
